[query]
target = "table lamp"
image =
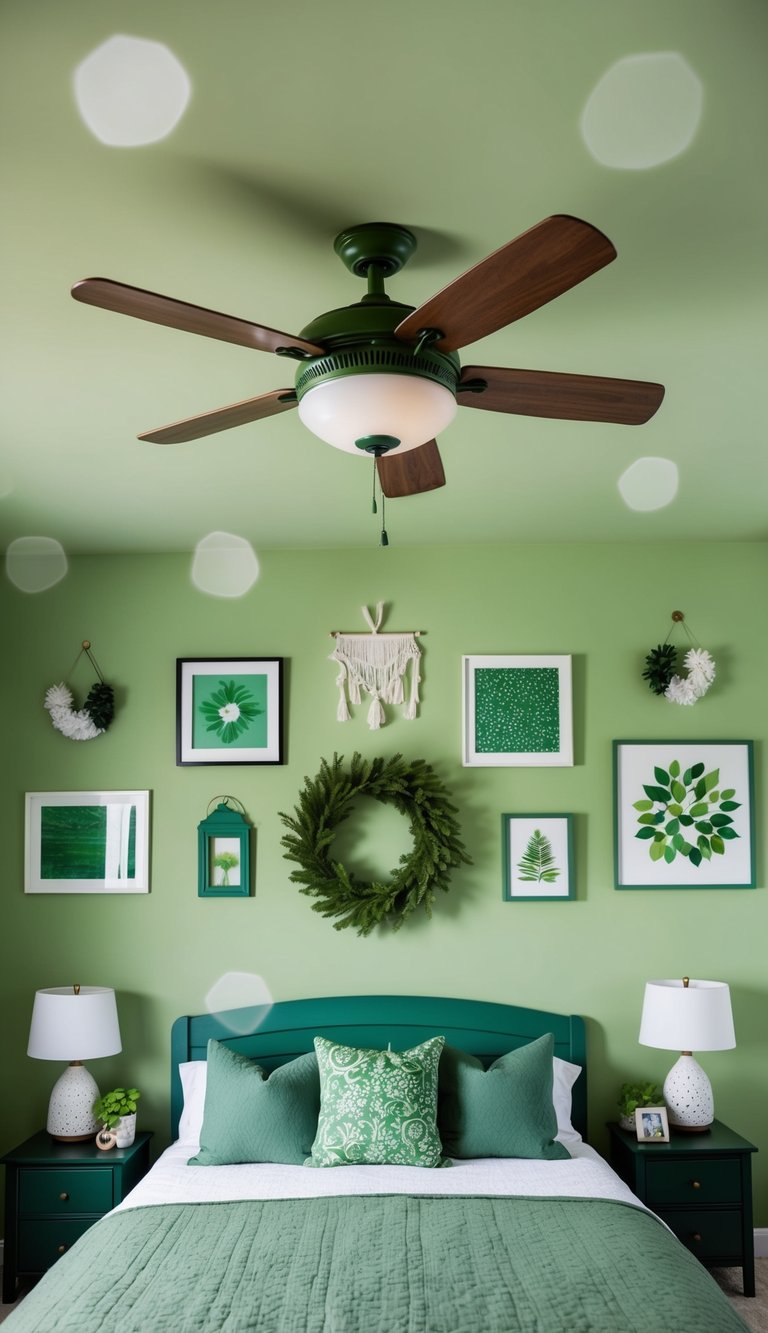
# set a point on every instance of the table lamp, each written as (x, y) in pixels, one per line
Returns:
(687, 1016)
(73, 1023)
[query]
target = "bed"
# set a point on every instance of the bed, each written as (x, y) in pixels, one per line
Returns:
(491, 1244)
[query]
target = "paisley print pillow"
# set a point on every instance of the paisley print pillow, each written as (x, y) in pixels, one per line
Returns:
(377, 1107)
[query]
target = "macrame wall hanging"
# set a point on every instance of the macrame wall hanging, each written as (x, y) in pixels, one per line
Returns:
(378, 664)
(97, 712)
(661, 668)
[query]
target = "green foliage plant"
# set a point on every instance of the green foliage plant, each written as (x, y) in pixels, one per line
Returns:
(226, 861)
(327, 799)
(686, 813)
(632, 1095)
(112, 1106)
(537, 864)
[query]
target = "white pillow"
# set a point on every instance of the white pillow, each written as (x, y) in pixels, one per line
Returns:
(193, 1076)
(565, 1076)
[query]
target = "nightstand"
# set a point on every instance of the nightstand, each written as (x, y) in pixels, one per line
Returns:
(701, 1186)
(56, 1191)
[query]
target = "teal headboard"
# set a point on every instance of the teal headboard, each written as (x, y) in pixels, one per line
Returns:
(287, 1029)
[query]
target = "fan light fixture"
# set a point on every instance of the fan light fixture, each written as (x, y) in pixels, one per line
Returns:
(354, 414)
(382, 378)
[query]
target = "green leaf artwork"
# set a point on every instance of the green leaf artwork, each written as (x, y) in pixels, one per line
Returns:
(692, 802)
(537, 864)
(229, 710)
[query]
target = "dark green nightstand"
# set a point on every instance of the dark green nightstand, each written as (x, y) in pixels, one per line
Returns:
(701, 1186)
(56, 1191)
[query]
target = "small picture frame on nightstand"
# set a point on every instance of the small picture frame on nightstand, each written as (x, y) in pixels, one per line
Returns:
(651, 1124)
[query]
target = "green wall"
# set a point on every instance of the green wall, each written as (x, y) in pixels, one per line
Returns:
(605, 604)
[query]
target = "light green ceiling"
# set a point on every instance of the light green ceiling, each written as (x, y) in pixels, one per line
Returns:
(461, 121)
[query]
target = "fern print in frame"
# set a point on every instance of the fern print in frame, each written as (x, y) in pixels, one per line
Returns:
(537, 858)
(684, 815)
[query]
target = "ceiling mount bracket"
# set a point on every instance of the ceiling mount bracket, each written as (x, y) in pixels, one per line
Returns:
(386, 245)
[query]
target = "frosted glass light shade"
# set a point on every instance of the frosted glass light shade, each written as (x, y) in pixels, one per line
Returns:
(69, 1026)
(411, 409)
(696, 1017)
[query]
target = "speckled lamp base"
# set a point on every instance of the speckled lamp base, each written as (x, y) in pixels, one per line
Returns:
(70, 1118)
(688, 1095)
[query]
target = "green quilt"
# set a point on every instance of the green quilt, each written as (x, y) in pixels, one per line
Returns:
(384, 1264)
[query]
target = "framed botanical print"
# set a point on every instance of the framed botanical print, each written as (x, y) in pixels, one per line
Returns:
(229, 710)
(516, 712)
(683, 815)
(537, 858)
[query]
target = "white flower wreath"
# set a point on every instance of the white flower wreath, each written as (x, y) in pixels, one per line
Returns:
(701, 673)
(76, 725)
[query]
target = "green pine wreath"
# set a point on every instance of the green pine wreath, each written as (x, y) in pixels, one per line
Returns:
(326, 801)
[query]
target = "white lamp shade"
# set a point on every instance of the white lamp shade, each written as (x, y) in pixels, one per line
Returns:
(696, 1017)
(69, 1026)
(411, 409)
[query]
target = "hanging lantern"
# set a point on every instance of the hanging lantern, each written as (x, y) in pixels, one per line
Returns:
(223, 852)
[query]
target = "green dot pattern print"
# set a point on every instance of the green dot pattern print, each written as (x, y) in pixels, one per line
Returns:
(517, 710)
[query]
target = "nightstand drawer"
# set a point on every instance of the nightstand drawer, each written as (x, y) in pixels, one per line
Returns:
(63, 1191)
(708, 1233)
(43, 1241)
(717, 1180)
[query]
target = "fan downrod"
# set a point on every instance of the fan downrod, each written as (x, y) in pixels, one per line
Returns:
(384, 245)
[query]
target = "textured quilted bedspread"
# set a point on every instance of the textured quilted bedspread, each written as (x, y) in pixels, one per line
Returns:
(385, 1264)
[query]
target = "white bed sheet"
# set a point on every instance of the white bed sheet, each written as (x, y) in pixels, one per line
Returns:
(585, 1175)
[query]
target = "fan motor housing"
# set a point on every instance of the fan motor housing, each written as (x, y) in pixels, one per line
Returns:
(360, 341)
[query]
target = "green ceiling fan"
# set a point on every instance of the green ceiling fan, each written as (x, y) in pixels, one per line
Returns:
(383, 378)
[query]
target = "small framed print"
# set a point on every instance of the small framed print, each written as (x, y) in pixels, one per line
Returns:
(516, 712)
(86, 842)
(229, 710)
(683, 815)
(651, 1124)
(537, 858)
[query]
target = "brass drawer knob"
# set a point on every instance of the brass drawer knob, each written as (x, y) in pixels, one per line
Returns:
(61, 1249)
(695, 1184)
(64, 1196)
(696, 1236)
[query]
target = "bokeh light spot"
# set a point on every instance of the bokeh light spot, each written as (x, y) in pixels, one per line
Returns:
(35, 563)
(224, 565)
(649, 483)
(131, 91)
(239, 990)
(644, 110)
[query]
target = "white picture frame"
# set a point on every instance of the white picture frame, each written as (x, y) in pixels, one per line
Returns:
(86, 842)
(684, 815)
(517, 711)
(652, 1124)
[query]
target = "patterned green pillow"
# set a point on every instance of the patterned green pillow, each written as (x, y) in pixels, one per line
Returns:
(503, 1111)
(377, 1107)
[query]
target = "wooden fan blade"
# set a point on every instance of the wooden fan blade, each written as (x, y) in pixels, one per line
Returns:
(411, 473)
(180, 315)
(524, 274)
(224, 418)
(544, 393)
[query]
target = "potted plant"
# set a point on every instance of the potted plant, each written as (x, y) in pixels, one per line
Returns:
(632, 1095)
(117, 1112)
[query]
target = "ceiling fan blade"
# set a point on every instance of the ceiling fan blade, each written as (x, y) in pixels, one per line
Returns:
(223, 418)
(158, 309)
(524, 274)
(545, 393)
(411, 473)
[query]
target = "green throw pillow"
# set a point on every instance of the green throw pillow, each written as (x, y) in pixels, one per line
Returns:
(249, 1117)
(503, 1111)
(377, 1107)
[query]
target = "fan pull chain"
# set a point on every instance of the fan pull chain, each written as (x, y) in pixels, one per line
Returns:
(374, 510)
(384, 539)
